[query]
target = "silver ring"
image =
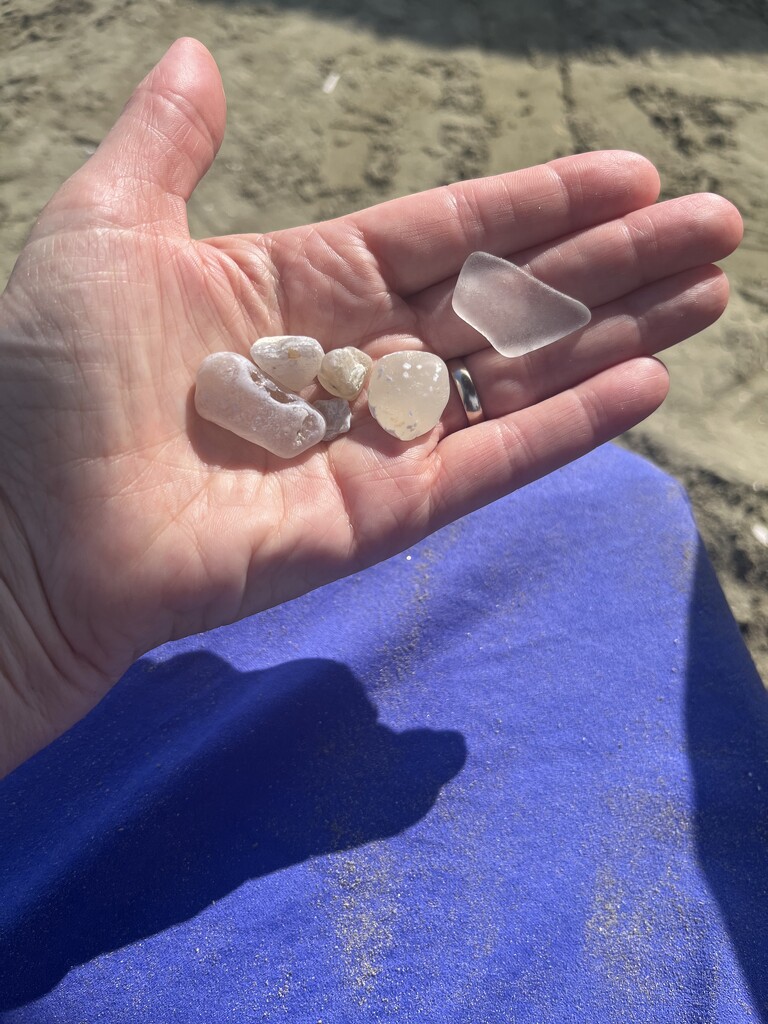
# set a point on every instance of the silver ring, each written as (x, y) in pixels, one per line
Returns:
(467, 391)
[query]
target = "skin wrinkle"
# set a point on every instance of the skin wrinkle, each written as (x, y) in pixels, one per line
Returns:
(284, 267)
(336, 539)
(149, 555)
(422, 327)
(381, 271)
(267, 246)
(228, 281)
(513, 443)
(189, 309)
(171, 134)
(192, 116)
(406, 486)
(149, 469)
(50, 642)
(334, 246)
(638, 261)
(340, 287)
(153, 211)
(463, 211)
(193, 123)
(566, 194)
(345, 505)
(574, 190)
(592, 410)
(13, 663)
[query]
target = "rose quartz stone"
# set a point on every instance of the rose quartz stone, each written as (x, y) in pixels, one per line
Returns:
(234, 393)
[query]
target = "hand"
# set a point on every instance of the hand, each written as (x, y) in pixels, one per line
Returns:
(126, 521)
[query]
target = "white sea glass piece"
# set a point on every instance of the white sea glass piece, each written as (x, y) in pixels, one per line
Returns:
(343, 371)
(292, 360)
(408, 392)
(337, 416)
(236, 395)
(516, 312)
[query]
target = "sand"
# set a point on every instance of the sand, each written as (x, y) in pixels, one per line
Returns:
(431, 91)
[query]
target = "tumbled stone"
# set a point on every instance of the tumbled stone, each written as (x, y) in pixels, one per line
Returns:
(515, 311)
(343, 371)
(292, 360)
(337, 416)
(408, 392)
(234, 393)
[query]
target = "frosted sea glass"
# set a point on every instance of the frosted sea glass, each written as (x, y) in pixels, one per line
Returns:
(511, 308)
(234, 393)
(407, 393)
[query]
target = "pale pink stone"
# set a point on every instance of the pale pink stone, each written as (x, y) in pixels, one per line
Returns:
(236, 395)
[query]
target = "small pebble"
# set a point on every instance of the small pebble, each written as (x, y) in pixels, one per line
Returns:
(238, 396)
(337, 416)
(408, 392)
(292, 360)
(343, 372)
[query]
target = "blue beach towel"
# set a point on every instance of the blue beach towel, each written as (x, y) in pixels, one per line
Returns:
(516, 774)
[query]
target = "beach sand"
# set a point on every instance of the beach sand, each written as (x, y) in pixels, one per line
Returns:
(422, 93)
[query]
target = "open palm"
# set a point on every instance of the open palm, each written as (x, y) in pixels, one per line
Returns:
(129, 521)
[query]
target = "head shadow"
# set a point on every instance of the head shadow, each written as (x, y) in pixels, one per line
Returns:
(190, 779)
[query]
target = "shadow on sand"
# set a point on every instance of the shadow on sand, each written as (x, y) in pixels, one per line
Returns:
(526, 27)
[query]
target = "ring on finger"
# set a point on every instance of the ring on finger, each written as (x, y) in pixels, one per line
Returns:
(467, 391)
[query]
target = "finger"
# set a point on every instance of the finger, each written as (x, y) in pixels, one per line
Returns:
(480, 464)
(597, 265)
(602, 264)
(424, 238)
(647, 321)
(162, 144)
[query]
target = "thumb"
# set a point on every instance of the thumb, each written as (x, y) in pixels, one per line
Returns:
(162, 144)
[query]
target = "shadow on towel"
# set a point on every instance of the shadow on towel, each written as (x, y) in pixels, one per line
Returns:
(230, 777)
(727, 726)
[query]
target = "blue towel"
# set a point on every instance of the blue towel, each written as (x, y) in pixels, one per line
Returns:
(516, 774)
